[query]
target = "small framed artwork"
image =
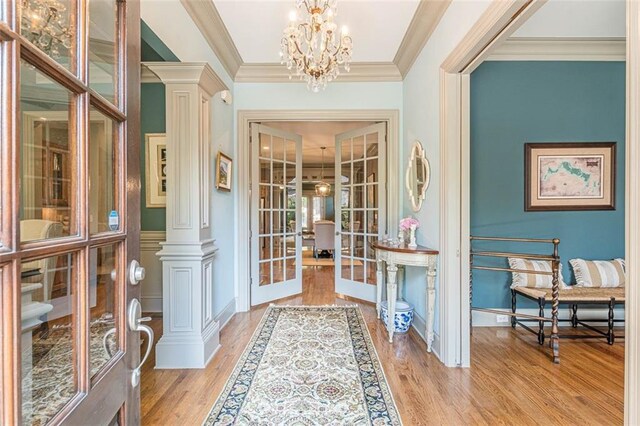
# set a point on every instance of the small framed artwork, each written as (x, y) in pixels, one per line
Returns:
(224, 170)
(156, 170)
(570, 176)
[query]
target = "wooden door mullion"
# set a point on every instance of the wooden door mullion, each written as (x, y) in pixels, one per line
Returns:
(11, 398)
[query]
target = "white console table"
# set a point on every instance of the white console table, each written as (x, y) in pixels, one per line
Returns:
(395, 258)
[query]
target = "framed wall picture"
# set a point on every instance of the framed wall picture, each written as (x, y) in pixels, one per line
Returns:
(156, 170)
(224, 171)
(570, 176)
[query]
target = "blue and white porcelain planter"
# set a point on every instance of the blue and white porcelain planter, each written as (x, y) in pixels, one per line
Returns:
(404, 315)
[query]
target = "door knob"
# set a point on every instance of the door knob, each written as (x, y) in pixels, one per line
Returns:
(136, 272)
(299, 234)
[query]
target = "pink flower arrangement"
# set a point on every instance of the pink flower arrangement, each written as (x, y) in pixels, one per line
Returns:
(408, 222)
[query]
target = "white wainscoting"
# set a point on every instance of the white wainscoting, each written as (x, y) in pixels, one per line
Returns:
(152, 284)
(486, 319)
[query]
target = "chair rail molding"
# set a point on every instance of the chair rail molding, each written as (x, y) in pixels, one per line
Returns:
(190, 332)
(242, 231)
(632, 182)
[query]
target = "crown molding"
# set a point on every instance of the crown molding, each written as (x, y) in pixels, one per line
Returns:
(277, 73)
(147, 76)
(560, 49)
(424, 22)
(208, 20)
(199, 73)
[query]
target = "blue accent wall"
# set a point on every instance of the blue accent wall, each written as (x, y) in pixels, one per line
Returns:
(152, 119)
(513, 103)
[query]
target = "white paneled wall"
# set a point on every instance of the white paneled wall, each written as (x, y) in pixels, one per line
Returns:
(152, 284)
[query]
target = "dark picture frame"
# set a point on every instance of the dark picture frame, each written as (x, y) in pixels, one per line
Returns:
(564, 176)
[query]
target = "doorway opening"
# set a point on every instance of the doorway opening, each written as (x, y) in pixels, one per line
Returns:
(318, 201)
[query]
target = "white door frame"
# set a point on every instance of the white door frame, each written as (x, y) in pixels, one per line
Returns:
(245, 118)
(500, 20)
(632, 202)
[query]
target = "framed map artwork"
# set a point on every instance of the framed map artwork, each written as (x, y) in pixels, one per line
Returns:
(570, 176)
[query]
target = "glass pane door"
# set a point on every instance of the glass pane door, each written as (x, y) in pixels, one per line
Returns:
(70, 221)
(276, 224)
(360, 201)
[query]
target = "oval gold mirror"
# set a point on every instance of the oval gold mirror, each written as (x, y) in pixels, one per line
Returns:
(417, 176)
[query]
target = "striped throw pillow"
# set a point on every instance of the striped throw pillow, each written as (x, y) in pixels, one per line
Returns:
(522, 279)
(598, 273)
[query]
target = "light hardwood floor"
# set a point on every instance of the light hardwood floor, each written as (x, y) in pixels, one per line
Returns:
(511, 379)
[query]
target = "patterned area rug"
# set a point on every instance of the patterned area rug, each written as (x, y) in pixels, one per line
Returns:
(307, 365)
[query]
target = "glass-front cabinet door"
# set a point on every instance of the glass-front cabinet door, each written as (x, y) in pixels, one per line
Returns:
(69, 222)
(360, 206)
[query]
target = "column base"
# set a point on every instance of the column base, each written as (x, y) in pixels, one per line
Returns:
(175, 351)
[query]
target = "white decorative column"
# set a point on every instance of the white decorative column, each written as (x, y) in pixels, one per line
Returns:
(190, 333)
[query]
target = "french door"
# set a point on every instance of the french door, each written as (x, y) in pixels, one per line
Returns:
(69, 212)
(276, 225)
(360, 207)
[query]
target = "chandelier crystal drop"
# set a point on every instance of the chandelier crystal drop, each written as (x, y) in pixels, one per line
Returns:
(323, 189)
(44, 24)
(312, 49)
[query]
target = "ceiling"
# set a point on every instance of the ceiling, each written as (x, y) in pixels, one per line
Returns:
(376, 26)
(577, 19)
(316, 134)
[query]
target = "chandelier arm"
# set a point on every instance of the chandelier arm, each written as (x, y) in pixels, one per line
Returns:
(308, 31)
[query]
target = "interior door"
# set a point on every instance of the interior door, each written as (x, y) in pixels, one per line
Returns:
(70, 208)
(276, 225)
(360, 205)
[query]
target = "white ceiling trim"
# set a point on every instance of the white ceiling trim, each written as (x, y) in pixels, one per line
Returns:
(560, 49)
(277, 73)
(424, 22)
(208, 20)
(147, 76)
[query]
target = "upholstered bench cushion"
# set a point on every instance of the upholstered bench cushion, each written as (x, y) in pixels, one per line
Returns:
(576, 294)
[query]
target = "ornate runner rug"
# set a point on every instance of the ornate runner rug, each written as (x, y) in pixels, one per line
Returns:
(307, 365)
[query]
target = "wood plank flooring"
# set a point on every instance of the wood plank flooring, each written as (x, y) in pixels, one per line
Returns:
(511, 379)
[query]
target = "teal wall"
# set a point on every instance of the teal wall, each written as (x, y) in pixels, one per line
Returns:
(152, 119)
(517, 102)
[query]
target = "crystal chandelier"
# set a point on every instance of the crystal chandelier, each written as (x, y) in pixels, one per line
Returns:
(311, 47)
(323, 189)
(44, 24)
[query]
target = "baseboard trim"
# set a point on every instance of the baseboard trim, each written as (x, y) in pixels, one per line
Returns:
(187, 351)
(227, 313)
(486, 319)
(420, 326)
